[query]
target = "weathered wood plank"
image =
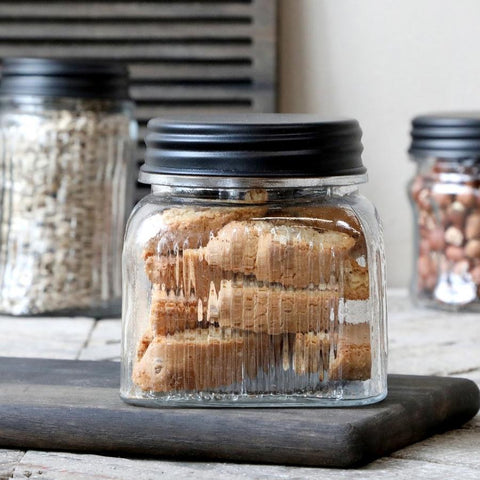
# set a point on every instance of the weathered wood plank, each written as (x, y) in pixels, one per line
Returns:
(431, 342)
(43, 337)
(453, 358)
(159, 71)
(473, 424)
(146, 30)
(8, 460)
(459, 447)
(168, 9)
(402, 319)
(128, 50)
(104, 341)
(145, 113)
(265, 58)
(75, 406)
(62, 466)
(203, 92)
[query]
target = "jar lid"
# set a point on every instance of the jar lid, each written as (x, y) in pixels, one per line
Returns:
(253, 145)
(453, 135)
(59, 77)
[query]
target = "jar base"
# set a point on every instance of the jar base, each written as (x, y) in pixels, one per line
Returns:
(432, 303)
(215, 400)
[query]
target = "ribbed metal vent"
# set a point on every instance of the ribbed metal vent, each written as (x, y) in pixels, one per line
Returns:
(184, 56)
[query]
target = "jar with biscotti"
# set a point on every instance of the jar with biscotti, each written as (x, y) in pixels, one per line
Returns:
(445, 195)
(254, 273)
(67, 135)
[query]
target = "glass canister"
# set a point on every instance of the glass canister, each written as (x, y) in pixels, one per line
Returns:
(254, 272)
(67, 135)
(445, 195)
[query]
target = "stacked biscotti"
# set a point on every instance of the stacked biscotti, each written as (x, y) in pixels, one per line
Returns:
(240, 293)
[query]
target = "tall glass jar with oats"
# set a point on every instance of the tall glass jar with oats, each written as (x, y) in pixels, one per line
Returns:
(67, 134)
(254, 271)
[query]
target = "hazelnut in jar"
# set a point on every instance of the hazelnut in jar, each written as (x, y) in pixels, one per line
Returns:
(254, 272)
(445, 195)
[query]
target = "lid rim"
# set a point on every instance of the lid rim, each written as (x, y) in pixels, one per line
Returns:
(64, 77)
(243, 181)
(254, 145)
(455, 135)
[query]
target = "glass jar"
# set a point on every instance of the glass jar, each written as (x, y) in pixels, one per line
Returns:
(254, 272)
(445, 197)
(67, 135)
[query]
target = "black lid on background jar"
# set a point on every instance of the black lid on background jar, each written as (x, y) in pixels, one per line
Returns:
(253, 145)
(49, 77)
(453, 135)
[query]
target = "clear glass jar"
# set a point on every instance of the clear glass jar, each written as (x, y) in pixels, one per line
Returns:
(445, 197)
(249, 290)
(67, 134)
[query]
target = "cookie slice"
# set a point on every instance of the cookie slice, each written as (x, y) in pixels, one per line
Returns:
(190, 227)
(188, 271)
(344, 354)
(274, 310)
(170, 313)
(356, 284)
(290, 255)
(199, 360)
(300, 256)
(353, 359)
(311, 353)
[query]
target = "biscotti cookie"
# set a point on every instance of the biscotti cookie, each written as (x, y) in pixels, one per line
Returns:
(292, 256)
(311, 353)
(345, 353)
(356, 281)
(200, 360)
(274, 310)
(235, 247)
(170, 313)
(300, 256)
(188, 271)
(181, 228)
(143, 343)
(353, 360)
(326, 217)
(165, 270)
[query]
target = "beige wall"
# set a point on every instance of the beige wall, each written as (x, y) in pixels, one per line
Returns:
(382, 62)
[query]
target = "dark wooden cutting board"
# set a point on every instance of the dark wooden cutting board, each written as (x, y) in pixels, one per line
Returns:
(73, 405)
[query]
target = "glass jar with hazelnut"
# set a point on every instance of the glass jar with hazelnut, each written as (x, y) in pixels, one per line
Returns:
(445, 195)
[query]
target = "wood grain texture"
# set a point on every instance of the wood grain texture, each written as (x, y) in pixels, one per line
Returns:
(8, 460)
(73, 466)
(103, 342)
(71, 405)
(43, 337)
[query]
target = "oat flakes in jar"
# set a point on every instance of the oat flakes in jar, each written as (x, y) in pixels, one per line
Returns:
(67, 135)
(445, 195)
(254, 271)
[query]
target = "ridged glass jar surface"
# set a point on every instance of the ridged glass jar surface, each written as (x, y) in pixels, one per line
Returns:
(64, 166)
(254, 272)
(445, 196)
(254, 296)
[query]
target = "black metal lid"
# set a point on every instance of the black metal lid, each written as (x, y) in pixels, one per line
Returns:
(254, 145)
(59, 77)
(448, 135)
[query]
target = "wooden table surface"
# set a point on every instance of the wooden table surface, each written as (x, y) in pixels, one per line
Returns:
(420, 342)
